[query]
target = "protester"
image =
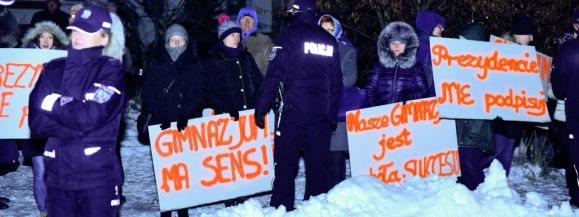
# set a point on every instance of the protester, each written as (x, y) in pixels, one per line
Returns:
(257, 44)
(564, 80)
(348, 63)
(45, 35)
(305, 63)
(233, 76)
(475, 137)
(429, 24)
(163, 85)
(397, 77)
(78, 102)
(508, 133)
(52, 13)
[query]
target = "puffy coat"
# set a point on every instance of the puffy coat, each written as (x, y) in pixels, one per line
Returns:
(396, 79)
(166, 82)
(232, 82)
(30, 39)
(82, 126)
(565, 79)
(311, 76)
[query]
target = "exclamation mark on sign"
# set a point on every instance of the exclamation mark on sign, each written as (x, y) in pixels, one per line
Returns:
(265, 160)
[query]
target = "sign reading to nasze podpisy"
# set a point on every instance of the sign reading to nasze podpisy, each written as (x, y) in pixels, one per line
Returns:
(19, 71)
(213, 159)
(396, 141)
(482, 80)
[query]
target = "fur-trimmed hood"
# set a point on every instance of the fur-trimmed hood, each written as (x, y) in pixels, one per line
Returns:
(45, 26)
(116, 47)
(405, 31)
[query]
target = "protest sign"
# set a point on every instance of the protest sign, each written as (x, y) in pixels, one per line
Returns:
(213, 159)
(482, 80)
(545, 63)
(19, 71)
(393, 142)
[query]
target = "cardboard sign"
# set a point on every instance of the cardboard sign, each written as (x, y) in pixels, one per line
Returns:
(213, 159)
(482, 80)
(19, 71)
(545, 63)
(395, 141)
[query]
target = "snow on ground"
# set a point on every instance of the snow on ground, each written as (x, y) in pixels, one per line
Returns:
(525, 193)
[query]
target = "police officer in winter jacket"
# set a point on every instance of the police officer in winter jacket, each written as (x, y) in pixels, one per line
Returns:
(78, 104)
(305, 62)
(564, 81)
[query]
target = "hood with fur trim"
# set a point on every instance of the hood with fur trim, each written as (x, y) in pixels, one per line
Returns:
(397, 30)
(116, 47)
(45, 26)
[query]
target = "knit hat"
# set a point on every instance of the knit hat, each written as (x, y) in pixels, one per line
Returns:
(176, 30)
(6, 2)
(522, 25)
(250, 13)
(91, 19)
(426, 21)
(226, 28)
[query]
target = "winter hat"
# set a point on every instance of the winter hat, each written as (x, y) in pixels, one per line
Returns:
(426, 21)
(45, 26)
(226, 28)
(302, 5)
(176, 30)
(247, 12)
(522, 25)
(91, 19)
(576, 16)
(6, 2)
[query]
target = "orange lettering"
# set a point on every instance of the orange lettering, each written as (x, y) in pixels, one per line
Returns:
(392, 143)
(385, 175)
(462, 94)
(534, 106)
(23, 117)
(4, 103)
(178, 174)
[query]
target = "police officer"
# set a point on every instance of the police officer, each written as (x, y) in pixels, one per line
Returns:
(77, 103)
(306, 64)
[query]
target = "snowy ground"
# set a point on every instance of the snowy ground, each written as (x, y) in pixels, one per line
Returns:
(525, 193)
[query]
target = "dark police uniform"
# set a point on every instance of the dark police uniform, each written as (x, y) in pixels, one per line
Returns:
(305, 60)
(78, 103)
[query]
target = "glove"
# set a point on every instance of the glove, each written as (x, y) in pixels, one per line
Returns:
(165, 125)
(259, 120)
(234, 114)
(182, 123)
(333, 125)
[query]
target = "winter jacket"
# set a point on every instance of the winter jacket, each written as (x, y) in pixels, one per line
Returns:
(9, 31)
(396, 79)
(232, 82)
(426, 22)
(30, 39)
(475, 133)
(565, 79)
(305, 60)
(82, 125)
(257, 44)
(166, 82)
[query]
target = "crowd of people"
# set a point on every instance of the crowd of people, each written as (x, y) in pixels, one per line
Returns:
(77, 104)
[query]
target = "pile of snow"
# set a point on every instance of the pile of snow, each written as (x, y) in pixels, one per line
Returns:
(434, 196)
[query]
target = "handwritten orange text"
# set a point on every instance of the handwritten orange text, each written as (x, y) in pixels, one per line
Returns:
(441, 164)
(533, 105)
(15, 75)
(493, 62)
(392, 143)
(227, 167)
(463, 97)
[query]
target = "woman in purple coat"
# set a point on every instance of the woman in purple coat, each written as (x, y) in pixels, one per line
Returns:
(397, 77)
